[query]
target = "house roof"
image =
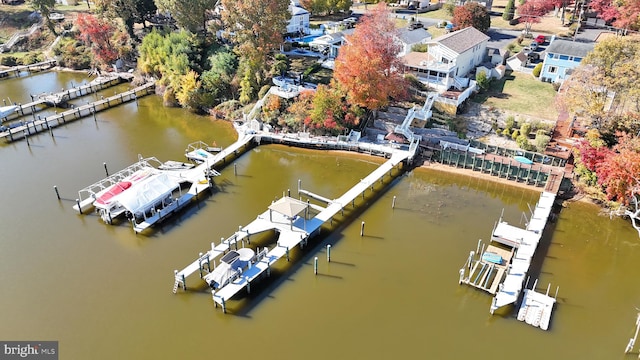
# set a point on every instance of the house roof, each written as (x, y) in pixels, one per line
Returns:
(462, 40)
(571, 48)
(297, 10)
(413, 36)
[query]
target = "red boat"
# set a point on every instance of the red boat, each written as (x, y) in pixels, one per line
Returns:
(113, 191)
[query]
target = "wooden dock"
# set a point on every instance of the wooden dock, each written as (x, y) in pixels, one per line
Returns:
(37, 67)
(49, 123)
(44, 101)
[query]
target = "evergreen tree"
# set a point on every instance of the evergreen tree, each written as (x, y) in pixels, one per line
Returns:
(509, 10)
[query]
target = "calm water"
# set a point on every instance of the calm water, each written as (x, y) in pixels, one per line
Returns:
(105, 293)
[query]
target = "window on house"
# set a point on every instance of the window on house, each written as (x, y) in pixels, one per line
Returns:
(556, 56)
(552, 69)
(564, 57)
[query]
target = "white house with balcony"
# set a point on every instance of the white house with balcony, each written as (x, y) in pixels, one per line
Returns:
(299, 22)
(449, 59)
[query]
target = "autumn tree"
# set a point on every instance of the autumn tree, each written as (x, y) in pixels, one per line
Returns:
(367, 66)
(256, 26)
(324, 7)
(622, 14)
(45, 8)
(130, 11)
(471, 14)
(106, 40)
(603, 89)
(532, 11)
(189, 14)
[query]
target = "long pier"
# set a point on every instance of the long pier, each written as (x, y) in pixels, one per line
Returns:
(16, 70)
(48, 123)
(43, 101)
(293, 230)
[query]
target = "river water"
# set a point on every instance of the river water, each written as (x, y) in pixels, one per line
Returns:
(105, 293)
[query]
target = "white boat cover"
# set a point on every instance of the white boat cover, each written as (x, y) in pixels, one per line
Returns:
(148, 192)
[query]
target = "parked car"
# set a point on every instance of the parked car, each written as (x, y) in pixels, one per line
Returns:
(533, 45)
(415, 25)
(527, 50)
(540, 39)
(533, 56)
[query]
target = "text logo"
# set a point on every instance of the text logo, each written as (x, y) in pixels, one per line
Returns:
(32, 350)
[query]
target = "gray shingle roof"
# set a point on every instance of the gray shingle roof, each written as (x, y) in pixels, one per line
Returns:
(571, 48)
(463, 40)
(413, 36)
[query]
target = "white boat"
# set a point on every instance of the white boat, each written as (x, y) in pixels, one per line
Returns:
(231, 266)
(7, 110)
(175, 165)
(106, 202)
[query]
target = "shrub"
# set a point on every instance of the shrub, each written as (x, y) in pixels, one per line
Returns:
(509, 10)
(511, 47)
(525, 129)
(420, 48)
(31, 58)
(520, 39)
(515, 134)
(506, 132)
(263, 91)
(511, 122)
(482, 80)
(9, 61)
(523, 142)
(537, 70)
(542, 141)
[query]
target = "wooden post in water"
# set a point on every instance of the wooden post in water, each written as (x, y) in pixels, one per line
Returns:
(79, 208)
(393, 203)
(362, 229)
(328, 253)
(315, 265)
(55, 188)
(105, 168)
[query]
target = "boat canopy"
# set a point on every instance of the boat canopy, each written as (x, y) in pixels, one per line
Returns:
(147, 193)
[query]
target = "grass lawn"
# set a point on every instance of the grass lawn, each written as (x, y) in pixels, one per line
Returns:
(520, 93)
(298, 64)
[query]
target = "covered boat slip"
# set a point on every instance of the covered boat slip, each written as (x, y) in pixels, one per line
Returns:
(281, 216)
(89, 194)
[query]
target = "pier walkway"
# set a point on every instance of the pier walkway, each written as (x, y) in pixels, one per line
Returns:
(293, 230)
(43, 101)
(16, 70)
(48, 123)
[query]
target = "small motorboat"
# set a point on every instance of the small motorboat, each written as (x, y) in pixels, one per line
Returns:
(522, 159)
(231, 266)
(492, 258)
(7, 110)
(175, 165)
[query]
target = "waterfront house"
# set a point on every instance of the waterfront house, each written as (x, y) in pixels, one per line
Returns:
(562, 56)
(299, 22)
(449, 59)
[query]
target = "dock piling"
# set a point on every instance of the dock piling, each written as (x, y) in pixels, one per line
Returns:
(56, 190)
(235, 169)
(393, 203)
(105, 168)
(287, 252)
(27, 137)
(362, 229)
(315, 265)
(79, 208)
(328, 253)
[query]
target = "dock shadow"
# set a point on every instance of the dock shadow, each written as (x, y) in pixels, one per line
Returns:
(341, 263)
(330, 276)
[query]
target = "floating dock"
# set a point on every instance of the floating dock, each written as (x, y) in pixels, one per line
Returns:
(283, 217)
(535, 308)
(501, 269)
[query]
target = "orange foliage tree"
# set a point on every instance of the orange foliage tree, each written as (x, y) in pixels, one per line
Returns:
(367, 66)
